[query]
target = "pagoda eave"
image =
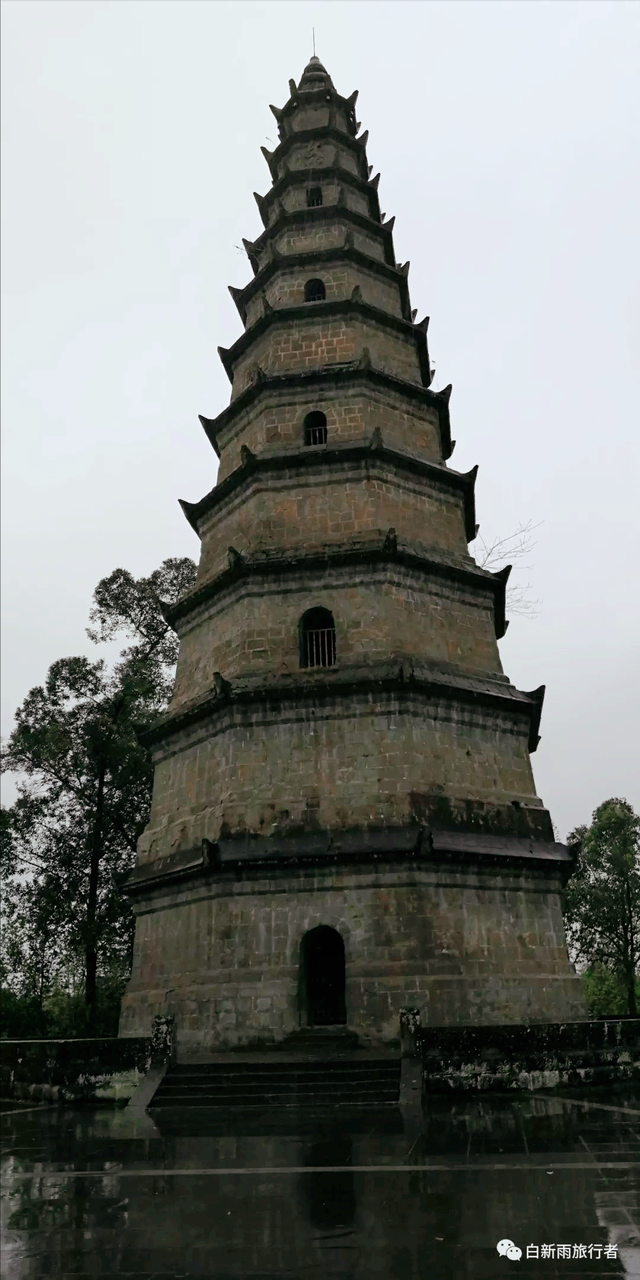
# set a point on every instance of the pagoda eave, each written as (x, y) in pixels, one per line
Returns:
(318, 256)
(293, 177)
(329, 375)
(313, 97)
(393, 678)
(236, 857)
(359, 451)
(374, 553)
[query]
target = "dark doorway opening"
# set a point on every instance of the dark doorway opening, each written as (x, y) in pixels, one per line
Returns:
(323, 977)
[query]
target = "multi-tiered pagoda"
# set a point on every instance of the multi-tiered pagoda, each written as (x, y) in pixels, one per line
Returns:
(344, 817)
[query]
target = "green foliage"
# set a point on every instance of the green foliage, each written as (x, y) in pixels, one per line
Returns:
(605, 992)
(602, 901)
(84, 791)
(21, 1017)
(62, 1014)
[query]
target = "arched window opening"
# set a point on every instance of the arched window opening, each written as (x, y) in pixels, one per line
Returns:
(314, 197)
(315, 428)
(314, 291)
(317, 639)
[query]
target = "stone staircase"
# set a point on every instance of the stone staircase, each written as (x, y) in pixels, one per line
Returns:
(296, 1079)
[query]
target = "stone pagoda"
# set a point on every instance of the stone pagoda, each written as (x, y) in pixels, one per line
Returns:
(344, 819)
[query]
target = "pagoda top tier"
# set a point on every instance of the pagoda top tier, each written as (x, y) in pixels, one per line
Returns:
(315, 86)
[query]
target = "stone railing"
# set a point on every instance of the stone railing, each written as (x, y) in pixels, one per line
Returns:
(519, 1056)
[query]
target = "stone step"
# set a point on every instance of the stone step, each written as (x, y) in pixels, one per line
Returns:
(332, 1037)
(360, 1089)
(338, 1072)
(347, 1082)
(316, 1123)
(317, 1099)
(263, 1080)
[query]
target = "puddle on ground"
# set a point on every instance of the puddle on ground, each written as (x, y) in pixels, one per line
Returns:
(98, 1192)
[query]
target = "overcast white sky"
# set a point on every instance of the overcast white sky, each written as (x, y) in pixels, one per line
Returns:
(507, 135)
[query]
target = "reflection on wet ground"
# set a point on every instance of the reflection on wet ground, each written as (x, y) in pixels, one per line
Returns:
(97, 1192)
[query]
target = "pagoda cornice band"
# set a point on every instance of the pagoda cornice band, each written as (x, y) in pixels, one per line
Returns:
(351, 374)
(326, 213)
(228, 857)
(295, 177)
(243, 569)
(366, 452)
(312, 257)
(321, 133)
(318, 310)
(398, 679)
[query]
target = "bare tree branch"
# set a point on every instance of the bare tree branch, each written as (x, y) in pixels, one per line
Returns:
(495, 555)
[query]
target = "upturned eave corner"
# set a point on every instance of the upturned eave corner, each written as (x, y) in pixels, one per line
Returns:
(209, 427)
(536, 697)
(190, 511)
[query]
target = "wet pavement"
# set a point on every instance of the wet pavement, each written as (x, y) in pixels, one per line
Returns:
(99, 1192)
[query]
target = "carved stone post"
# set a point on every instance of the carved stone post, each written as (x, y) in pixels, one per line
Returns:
(162, 1039)
(409, 1028)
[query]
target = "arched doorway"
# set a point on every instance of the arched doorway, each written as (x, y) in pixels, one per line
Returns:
(323, 977)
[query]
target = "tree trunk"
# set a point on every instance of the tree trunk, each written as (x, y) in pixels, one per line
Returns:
(91, 954)
(632, 1008)
(631, 961)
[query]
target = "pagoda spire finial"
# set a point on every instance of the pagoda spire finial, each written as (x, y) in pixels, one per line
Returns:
(315, 75)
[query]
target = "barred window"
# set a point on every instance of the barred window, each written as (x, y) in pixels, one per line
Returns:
(314, 197)
(317, 639)
(315, 428)
(314, 291)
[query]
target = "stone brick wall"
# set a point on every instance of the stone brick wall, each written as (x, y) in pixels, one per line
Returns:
(316, 116)
(323, 234)
(325, 340)
(286, 288)
(321, 154)
(462, 946)
(277, 420)
(331, 762)
(254, 626)
(324, 507)
(295, 197)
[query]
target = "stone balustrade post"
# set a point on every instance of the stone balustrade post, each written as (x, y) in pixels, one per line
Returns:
(409, 1028)
(163, 1039)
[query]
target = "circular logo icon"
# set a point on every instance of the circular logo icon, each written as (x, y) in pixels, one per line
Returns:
(503, 1245)
(507, 1249)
